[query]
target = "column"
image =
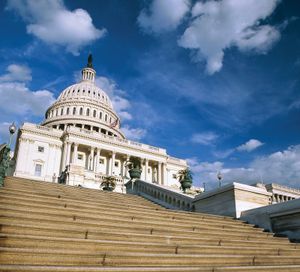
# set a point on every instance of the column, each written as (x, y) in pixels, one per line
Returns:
(112, 169)
(126, 173)
(96, 162)
(92, 158)
(75, 153)
(146, 169)
(123, 170)
(64, 156)
(164, 174)
(68, 153)
(159, 173)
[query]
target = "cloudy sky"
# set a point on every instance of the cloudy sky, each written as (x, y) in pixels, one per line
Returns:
(213, 82)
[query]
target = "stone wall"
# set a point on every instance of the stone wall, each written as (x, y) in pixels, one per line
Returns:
(231, 199)
(281, 218)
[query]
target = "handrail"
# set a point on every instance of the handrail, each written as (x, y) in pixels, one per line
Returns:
(167, 197)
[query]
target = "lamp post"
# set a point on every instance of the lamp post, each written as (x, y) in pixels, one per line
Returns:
(219, 176)
(4, 155)
(12, 129)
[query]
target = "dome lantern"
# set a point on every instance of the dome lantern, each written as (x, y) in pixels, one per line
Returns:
(88, 73)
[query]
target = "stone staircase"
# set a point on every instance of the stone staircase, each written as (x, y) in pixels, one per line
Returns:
(50, 227)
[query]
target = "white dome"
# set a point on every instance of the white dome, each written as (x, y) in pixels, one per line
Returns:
(86, 106)
(85, 90)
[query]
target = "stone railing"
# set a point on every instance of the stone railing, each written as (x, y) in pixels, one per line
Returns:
(284, 188)
(163, 196)
(176, 160)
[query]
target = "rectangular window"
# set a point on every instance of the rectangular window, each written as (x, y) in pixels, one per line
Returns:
(101, 161)
(174, 176)
(41, 149)
(80, 157)
(116, 164)
(38, 170)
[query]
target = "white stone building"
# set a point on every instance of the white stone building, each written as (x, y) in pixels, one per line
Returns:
(81, 131)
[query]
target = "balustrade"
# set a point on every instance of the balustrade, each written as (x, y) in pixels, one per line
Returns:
(163, 196)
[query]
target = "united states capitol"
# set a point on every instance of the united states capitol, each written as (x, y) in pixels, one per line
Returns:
(57, 212)
(81, 134)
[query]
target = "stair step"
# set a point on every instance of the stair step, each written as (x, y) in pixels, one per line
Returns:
(27, 268)
(102, 246)
(71, 257)
(51, 227)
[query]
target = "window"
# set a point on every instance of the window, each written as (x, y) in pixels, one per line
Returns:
(105, 117)
(61, 111)
(41, 149)
(148, 170)
(81, 110)
(38, 170)
(100, 116)
(74, 111)
(116, 164)
(94, 114)
(80, 157)
(174, 176)
(101, 161)
(68, 110)
(88, 112)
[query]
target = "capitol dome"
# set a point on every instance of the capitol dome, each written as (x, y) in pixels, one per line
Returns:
(86, 106)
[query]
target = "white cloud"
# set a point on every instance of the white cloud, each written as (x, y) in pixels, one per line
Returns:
(16, 72)
(250, 145)
(17, 98)
(163, 15)
(281, 167)
(120, 103)
(219, 25)
(51, 22)
(205, 138)
(4, 134)
(135, 134)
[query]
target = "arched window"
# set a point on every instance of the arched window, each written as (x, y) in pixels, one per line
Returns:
(88, 112)
(100, 115)
(105, 118)
(74, 111)
(68, 111)
(61, 111)
(81, 111)
(56, 113)
(94, 113)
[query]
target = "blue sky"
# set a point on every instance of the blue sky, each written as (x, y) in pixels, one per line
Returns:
(214, 82)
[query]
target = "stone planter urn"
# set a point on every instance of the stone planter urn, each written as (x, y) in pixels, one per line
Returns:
(135, 167)
(186, 184)
(185, 179)
(108, 183)
(135, 173)
(108, 189)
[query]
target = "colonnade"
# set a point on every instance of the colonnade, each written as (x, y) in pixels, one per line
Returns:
(277, 198)
(153, 171)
